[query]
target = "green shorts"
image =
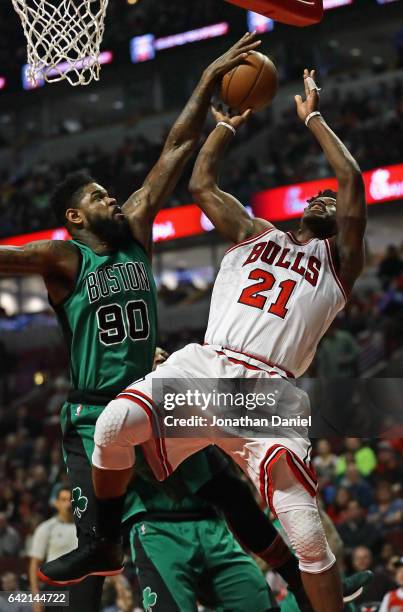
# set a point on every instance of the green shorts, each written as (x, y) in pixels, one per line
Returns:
(181, 563)
(78, 427)
(178, 563)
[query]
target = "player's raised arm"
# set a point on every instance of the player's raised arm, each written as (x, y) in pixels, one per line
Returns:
(351, 209)
(142, 207)
(226, 213)
(55, 260)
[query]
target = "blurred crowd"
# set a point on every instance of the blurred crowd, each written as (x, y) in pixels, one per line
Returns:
(364, 119)
(360, 487)
(360, 479)
(160, 19)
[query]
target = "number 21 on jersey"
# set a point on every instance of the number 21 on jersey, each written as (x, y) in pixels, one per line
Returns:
(252, 295)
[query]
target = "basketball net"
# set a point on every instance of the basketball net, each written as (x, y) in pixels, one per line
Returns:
(64, 38)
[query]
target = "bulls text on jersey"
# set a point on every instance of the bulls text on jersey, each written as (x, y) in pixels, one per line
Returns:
(271, 253)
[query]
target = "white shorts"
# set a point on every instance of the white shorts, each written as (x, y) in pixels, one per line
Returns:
(255, 455)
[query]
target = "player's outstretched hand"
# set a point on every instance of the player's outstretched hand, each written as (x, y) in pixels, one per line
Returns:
(228, 117)
(159, 357)
(311, 102)
(233, 57)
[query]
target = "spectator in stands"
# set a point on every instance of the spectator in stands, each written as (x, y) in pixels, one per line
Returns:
(391, 266)
(389, 466)
(386, 513)
(388, 556)
(357, 485)
(60, 388)
(338, 508)
(9, 582)
(355, 530)
(391, 309)
(325, 462)
(118, 595)
(362, 560)
(8, 501)
(338, 354)
(53, 537)
(39, 456)
(37, 483)
(355, 451)
(56, 466)
(9, 539)
(357, 319)
(394, 599)
(18, 449)
(23, 420)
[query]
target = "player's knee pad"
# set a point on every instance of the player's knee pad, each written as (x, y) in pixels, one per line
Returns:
(113, 457)
(299, 516)
(110, 424)
(112, 450)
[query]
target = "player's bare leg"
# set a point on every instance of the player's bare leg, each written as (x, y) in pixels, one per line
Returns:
(110, 483)
(324, 590)
(300, 520)
(121, 427)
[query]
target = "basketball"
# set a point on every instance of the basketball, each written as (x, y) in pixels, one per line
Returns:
(252, 84)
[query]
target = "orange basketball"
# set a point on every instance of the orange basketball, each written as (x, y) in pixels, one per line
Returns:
(253, 84)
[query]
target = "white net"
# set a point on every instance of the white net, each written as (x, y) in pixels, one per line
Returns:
(64, 38)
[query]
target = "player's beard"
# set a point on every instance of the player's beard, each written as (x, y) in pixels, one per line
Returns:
(114, 232)
(321, 227)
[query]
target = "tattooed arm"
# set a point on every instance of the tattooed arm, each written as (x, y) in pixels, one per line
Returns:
(142, 207)
(56, 261)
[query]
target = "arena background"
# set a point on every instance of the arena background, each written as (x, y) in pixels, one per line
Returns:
(154, 54)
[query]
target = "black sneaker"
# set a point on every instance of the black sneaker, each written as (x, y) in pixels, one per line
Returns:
(98, 557)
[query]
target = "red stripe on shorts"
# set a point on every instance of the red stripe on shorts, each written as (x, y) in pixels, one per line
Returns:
(303, 474)
(158, 440)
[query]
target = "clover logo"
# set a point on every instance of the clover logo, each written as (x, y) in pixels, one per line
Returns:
(79, 502)
(149, 599)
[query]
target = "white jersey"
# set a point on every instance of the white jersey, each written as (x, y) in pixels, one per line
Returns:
(274, 298)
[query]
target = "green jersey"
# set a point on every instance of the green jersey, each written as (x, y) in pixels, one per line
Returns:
(110, 320)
